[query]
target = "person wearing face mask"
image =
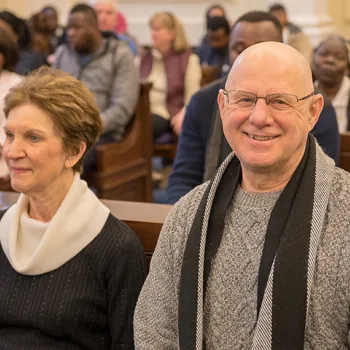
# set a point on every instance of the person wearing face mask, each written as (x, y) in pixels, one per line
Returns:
(331, 68)
(202, 147)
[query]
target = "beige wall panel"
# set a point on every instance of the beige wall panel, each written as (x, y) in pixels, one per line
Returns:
(339, 10)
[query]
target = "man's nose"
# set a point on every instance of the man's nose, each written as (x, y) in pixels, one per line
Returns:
(261, 114)
(70, 32)
(329, 59)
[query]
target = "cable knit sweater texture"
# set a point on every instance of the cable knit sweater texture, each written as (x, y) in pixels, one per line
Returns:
(231, 298)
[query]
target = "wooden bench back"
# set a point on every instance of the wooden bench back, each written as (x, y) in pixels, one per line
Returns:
(124, 169)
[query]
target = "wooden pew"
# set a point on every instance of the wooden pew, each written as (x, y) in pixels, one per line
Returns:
(168, 150)
(209, 74)
(344, 162)
(124, 169)
(146, 219)
(165, 150)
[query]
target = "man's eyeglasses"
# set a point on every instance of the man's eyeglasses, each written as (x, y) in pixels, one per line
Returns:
(247, 100)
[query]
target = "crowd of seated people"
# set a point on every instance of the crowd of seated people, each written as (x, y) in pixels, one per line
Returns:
(90, 48)
(61, 243)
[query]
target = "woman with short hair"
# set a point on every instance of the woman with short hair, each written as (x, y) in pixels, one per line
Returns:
(70, 272)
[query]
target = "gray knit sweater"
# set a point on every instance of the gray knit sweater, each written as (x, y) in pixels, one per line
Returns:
(231, 297)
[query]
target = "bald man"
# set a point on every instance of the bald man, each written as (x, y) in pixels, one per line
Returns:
(259, 257)
(202, 146)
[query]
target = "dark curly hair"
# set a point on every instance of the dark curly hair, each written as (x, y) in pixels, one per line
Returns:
(8, 48)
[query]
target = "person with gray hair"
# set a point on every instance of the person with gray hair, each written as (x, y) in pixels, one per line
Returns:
(259, 257)
(107, 15)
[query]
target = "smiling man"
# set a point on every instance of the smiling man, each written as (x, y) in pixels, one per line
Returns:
(202, 147)
(259, 257)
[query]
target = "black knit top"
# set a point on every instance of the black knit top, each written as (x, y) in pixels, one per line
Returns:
(87, 303)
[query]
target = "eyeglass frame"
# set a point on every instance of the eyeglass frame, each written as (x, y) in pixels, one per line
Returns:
(225, 92)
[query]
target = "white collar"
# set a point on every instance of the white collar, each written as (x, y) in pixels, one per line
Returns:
(78, 220)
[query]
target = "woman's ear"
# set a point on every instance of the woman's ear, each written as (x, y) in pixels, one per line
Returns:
(74, 157)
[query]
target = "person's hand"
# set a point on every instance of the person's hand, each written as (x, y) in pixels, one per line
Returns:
(177, 120)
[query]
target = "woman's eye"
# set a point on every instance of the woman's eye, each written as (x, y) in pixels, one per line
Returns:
(34, 138)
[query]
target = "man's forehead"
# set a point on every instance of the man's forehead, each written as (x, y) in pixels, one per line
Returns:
(104, 6)
(271, 73)
(255, 32)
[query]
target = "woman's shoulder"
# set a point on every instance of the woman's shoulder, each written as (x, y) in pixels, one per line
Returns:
(116, 235)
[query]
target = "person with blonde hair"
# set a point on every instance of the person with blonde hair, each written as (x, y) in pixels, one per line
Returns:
(174, 71)
(70, 272)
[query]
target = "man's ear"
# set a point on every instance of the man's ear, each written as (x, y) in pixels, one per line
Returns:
(315, 110)
(221, 101)
(74, 157)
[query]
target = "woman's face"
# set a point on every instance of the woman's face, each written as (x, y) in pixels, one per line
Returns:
(34, 152)
(330, 62)
(161, 36)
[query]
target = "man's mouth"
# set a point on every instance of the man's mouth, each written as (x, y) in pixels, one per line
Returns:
(261, 138)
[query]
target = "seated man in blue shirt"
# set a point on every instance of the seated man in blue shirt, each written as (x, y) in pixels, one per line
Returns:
(213, 50)
(202, 147)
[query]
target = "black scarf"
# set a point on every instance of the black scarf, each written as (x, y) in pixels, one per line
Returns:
(285, 253)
